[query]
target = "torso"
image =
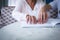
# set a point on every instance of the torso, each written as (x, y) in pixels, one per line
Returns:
(31, 4)
(27, 9)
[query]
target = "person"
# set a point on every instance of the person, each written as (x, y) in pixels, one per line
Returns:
(29, 11)
(53, 5)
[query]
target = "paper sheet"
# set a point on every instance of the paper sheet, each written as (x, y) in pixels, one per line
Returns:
(50, 23)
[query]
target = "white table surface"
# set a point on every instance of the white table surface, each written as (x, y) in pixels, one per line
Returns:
(16, 32)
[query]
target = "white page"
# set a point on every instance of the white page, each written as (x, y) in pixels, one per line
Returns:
(50, 23)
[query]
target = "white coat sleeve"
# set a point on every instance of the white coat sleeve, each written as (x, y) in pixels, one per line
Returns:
(17, 14)
(53, 4)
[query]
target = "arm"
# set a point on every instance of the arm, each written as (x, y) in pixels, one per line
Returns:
(52, 5)
(19, 16)
(17, 12)
(43, 16)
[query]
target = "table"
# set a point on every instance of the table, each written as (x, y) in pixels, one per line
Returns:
(15, 32)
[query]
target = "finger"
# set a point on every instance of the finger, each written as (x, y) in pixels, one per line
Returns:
(44, 17)
(27, 18)
(39, 21)
(34, 20)
(41, 18)
(30, 19)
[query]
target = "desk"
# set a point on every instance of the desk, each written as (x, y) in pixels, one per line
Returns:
(15, 32)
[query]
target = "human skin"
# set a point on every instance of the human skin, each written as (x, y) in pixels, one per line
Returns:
(42, 16)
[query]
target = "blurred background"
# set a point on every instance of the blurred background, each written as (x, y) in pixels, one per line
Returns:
(6, 8)
(12, 3)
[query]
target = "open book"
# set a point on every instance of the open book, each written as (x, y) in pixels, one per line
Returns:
(50, 24)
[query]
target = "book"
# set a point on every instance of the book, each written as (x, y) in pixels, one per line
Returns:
(50, 24)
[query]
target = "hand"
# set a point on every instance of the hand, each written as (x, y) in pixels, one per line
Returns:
(31, 19)
(42, 16)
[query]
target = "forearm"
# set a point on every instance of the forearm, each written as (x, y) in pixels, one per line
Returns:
(47, 7)
(19, 16)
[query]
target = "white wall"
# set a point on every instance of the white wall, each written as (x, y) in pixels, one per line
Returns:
(12, 2)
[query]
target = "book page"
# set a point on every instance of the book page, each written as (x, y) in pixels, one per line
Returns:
(50, 23)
